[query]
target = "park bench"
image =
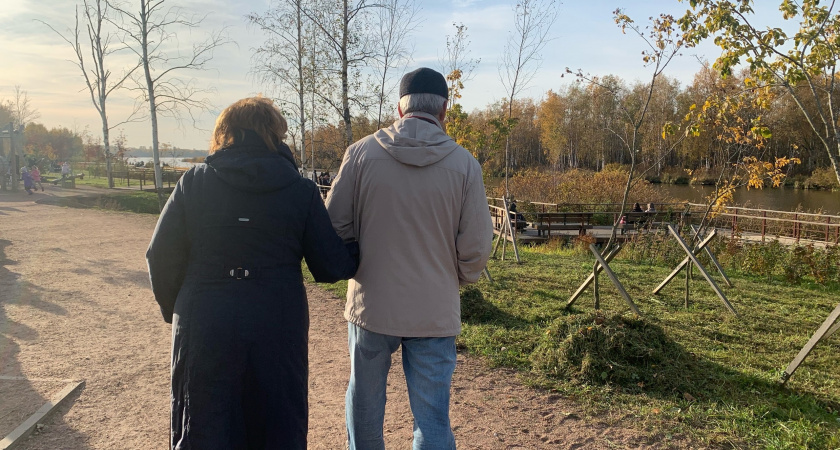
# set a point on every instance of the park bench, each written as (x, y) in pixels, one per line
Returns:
(68, 181)
(636, 221)
(559, 221)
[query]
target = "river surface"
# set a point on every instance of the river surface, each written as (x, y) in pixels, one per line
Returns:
(780, 199)
(171, 162)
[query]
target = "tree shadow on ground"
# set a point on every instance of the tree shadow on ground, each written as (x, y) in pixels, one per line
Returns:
(475, 309)
(12, 335)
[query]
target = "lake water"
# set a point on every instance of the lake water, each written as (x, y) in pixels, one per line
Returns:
(172, 162)
(781, 199)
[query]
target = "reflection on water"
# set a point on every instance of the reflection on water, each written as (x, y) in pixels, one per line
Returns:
(781, 199)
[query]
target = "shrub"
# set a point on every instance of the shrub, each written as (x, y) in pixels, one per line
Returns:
(762, 259)
(822, 178)
(578, 186)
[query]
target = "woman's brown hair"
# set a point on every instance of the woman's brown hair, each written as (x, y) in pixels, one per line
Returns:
(253, 113)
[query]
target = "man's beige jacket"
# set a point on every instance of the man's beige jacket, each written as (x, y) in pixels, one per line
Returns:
(415, 201)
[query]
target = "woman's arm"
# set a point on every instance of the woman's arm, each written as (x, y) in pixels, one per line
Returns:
(168, 252)
(327, 256)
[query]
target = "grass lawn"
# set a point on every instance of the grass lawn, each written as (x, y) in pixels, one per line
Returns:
(697, 371)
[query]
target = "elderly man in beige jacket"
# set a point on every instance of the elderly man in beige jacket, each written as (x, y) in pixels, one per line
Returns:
(415, 201)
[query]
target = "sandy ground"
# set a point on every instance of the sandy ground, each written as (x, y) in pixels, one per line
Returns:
(75, 304)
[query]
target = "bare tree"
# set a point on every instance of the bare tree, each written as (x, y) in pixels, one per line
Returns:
(522, 57)
(148, 32)
(98, 79)
(397, 19)
(283, 60)
(21, 108)
(343, 26)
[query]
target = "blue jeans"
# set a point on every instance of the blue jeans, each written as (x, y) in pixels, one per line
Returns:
(428, 364)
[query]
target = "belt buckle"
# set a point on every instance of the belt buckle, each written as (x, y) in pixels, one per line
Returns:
(239, 273)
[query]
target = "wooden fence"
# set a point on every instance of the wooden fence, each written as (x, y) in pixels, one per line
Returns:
(755, 224)
(138, 176)
(771, 224)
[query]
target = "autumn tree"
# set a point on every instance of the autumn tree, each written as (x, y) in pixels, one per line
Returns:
(552, 118)
(802, 63)
(458, 66)
(521, 59)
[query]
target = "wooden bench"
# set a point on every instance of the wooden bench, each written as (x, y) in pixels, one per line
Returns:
(559, 221)
(69, 181)
(650, 220)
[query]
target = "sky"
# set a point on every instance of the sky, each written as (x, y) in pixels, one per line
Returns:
(583, 37)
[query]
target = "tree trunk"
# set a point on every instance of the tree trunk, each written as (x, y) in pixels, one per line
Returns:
(345, 82)
(835, 164)
(302, 103)
(150, 87)
(107, 144)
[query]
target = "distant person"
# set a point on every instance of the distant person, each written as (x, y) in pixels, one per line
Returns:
(65, 170)
(415, 201)
(36, 178)
(27, 179)
(516, 217)
(650, 208)
(5, 174)
(225, 266)
(637, 207)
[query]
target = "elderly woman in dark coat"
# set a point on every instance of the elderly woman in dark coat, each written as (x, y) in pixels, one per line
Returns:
(225, 266)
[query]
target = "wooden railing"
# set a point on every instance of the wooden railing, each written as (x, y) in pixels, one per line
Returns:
(771, 224)
(763, 224)
(143, 177)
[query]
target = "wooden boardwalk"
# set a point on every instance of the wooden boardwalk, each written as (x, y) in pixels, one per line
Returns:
(545, 221)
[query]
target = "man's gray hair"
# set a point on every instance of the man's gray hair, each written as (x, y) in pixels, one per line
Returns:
(427, 103)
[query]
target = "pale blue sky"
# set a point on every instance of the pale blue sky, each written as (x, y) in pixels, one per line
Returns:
(583, 37)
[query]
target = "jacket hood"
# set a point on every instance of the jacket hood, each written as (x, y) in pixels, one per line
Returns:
(249, 165)
(416, 139)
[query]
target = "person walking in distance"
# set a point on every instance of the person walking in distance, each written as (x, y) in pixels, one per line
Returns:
(36, 178)
(415, 201)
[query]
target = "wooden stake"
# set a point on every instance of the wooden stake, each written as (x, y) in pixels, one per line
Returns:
(609, 257)
(614, 279)
(829, 327)
(702, 270)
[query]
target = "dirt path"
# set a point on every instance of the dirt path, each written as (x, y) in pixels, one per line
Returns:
(75, 304)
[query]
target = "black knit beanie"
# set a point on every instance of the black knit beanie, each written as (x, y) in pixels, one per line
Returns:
(424, 81)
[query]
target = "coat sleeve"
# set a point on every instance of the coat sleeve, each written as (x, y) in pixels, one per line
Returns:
(475, 232)
(329, 258)
(341, 197)
(169, 251)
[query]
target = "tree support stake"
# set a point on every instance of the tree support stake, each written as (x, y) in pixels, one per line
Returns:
(829, 327)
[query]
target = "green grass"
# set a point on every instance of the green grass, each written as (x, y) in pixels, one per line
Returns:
(696, 371)
(140, 202)
(144, 202)
(101, 182)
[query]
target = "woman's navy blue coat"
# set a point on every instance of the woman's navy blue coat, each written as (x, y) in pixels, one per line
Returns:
(225, 266)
